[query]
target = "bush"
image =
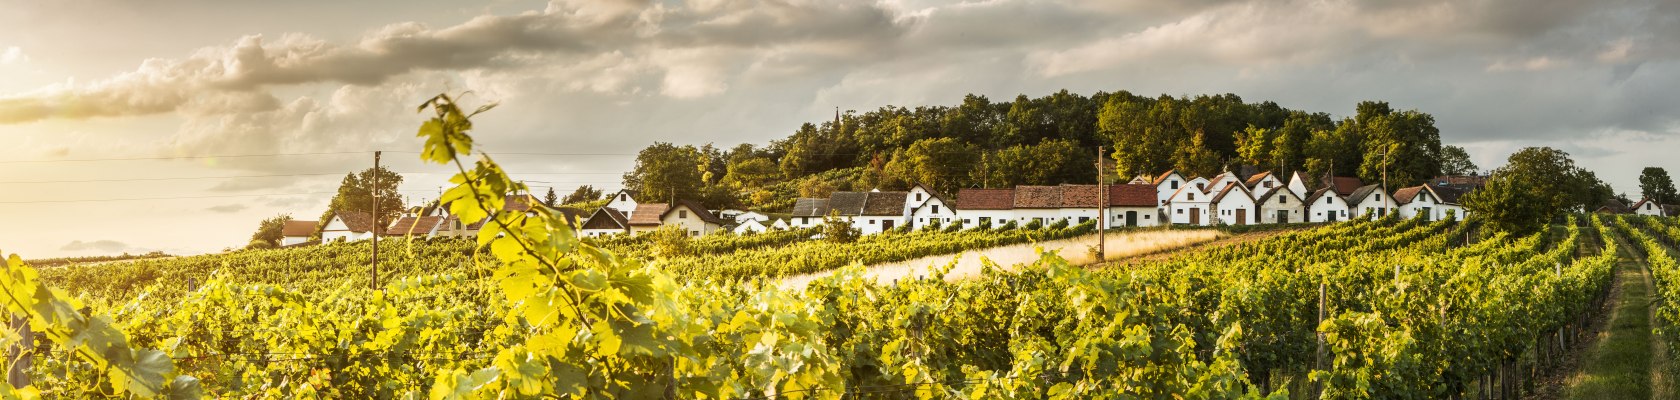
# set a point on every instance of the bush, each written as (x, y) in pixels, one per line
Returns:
(1059, 224)
(1035, 224)
(838, 230)
(671, 241)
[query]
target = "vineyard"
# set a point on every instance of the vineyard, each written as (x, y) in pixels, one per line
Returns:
(1407, 309)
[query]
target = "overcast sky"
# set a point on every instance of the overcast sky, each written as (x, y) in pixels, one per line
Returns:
(125, 79)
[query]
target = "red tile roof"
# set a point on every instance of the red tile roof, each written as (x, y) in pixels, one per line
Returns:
(356, 221)
(1037, 197)
(1405, 195)
(414, 225)
(985, 199)
(295, 228)
(1131, 195)
(1255, 180)
(1164, 176)
(1345, 186)
(1081, 196)
(694, 207)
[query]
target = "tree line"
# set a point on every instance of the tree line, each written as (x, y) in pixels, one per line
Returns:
(1046, 141)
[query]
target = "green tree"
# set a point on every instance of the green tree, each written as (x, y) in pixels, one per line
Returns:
(1194, 158)
(751, 173)
(1407, 141)
(550, 199)
(269, 232)
(1456, 161)
(1256, 146)
(585, 193)
(943, 163)
(1535, 186)
(666, 172)
(1655, 185)
(1051, 162)
(357, 193)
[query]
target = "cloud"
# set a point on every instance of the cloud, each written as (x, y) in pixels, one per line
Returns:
(227, 208)
(101, 246)
(13, 55)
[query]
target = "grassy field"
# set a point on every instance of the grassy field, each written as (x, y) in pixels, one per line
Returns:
(1619, 365)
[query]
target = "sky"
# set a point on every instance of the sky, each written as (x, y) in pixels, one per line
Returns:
(141, 126)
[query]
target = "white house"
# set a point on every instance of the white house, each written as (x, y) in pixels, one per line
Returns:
(1263, 182)
(985, 207)
(1280, 205)
(1370, 201)
(691, 217)
(646, 218)
(1419, 200)
(1189, 206)
(749, 226)
(1041, 204)
(808, 212)
(1234, 205)
(1450, 201)
(1325, 206)
(745, 216)
(296, 232)
(604, 222)
(1165, 185)
(1133, 205)
(929, 207)
(1078, 204)
(1648, 207)
(882, 211)
(624, 201)
(1219, 181)
(1200, 184)
(780, 225)
(348, 226)
(1298, 184)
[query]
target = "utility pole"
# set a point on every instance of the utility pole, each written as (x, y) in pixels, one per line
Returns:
(1385, 192)
(1102, 209)
(374, 278)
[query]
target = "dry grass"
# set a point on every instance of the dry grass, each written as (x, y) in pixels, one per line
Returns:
(1077, 251)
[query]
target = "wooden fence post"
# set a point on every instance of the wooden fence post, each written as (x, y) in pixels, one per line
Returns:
(18, 355)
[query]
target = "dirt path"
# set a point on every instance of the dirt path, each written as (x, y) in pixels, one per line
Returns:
(1618, 365)
(1077, 251)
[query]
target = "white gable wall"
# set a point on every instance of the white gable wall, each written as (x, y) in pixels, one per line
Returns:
(1229, 206)
(1330, 208)
(623, 203)
(931, 210)
(1283, 200)
(1188, 202)
(690, 222)
(1373, 206)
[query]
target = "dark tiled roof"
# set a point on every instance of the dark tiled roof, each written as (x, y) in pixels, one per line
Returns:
(1614, 206)
(606, 218)
(809, 207)
(1164, 176)
(295, 228)
(985, 199)
(648, 214)
(1038, 197)
(1273, 192)
(1132, 195)
(695, 207)
(1081, 196)
(414, 225)
(1406, 195)
(847, 203)
(885, 203)
(1361, 193)
(1345, 185)
(1449, 194)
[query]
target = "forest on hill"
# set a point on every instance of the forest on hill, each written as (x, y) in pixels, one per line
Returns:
(1045, 141)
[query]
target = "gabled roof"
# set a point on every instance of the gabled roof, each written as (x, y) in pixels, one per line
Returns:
(648, 214)
(931, 192)
(810, 207)
(985, 199)
(1449, 194)
(1081, 196)
(414, 225)
(1406, 195)
(885, 203)
(1274, 192)
(1037, 197)
(1231, 188)
(1640, 203)
(1614, 206)
(1132, 195)
(356, 221)
(1255, 180)
(1164, 176)
(1345, 186)
(295, 228)
(1320, 193)
(1362, 192)
(847, 204)
(606, 218)
(696, 208)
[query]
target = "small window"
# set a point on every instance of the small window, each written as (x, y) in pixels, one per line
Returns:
(1146, 216)
(935, 208)
(1283, 200)
(623, 197)
(1180, 211)
(1326, 200)
(1192, 196)
(918, 197)
(682, 214)
(1174, 185)
(1083, 219)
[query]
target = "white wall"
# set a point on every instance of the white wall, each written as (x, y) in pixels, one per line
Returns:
(922, 216)
(623, 203)
(971, 218)
(291, 240)
(690, 222)
(1231, 203)
(1372, 206)
(1328, 208)
(1649, 208)
(1292, 204)
(1146, 216)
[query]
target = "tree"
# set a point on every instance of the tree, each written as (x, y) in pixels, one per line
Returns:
(550, 199)
(666, 172)
(1535, 186)
(751, 173)
(585, 193)
(1409, 140)
(1456, 161)
(1655, 185)
(943, 163)
(356, 193)
(269, 232)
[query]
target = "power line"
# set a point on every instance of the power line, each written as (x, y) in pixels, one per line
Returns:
(169, 179)
(181, 197)
(184, 157)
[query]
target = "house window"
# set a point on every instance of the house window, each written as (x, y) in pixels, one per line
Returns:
(1268, 184)
(1174, 185)
(694, 233)
(1083, 219)
(935, 208)
(1326, 200)
(623, 197)
(1202, 186)
(1379, 196)
(985, 220)
(967, 221)
(918, 197)
(1283, 200)
(1180, 211)
(1146, 216)
(1192, 196)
